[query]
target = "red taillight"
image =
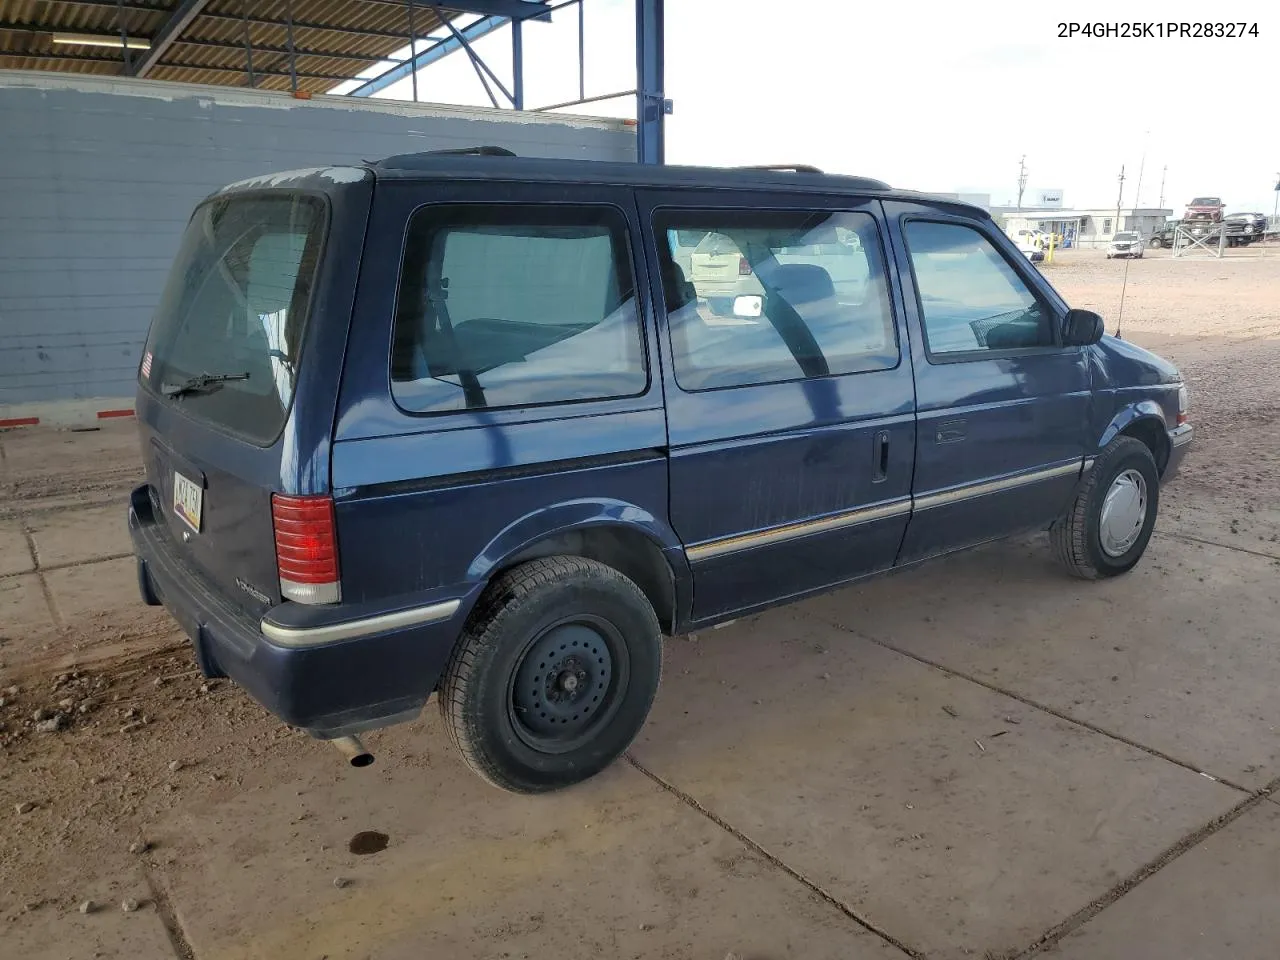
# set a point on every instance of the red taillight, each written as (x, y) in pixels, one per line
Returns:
(744, 268)
(1183, 418)
(306, 548)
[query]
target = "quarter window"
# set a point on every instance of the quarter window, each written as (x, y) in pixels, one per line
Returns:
(763, 297)
(515, 306)
(971, 298)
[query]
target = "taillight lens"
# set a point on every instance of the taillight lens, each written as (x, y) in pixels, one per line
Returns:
(1184, 405)
(744, 268)
(306, 548)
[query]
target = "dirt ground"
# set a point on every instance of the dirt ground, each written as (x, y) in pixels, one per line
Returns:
(976, 758)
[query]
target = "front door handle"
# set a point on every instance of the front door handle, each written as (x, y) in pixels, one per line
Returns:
(881, 457)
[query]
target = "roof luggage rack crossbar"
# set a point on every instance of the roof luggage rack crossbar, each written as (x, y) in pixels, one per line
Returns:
(472, 152)
(794, 167)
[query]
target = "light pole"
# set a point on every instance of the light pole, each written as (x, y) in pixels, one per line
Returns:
(1119, 200)
(1137, 197)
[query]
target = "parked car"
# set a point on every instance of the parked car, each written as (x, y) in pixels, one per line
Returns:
(1030, 239)
(1205, 208)
(459, 425)
(1245, 228)
(1024, 242)
(1126, 244)
(720, 272)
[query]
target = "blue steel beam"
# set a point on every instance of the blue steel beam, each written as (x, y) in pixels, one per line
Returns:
(429, 56)
(517, 66)
(651, 103)
(168, 33)
(511, 9)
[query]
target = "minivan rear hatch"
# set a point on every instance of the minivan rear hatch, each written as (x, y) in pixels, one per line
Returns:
(218, 375)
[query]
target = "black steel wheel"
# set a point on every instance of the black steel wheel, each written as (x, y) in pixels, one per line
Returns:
(553, 676)
(568, 684)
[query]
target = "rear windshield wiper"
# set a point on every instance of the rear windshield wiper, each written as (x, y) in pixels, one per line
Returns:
(202, 382)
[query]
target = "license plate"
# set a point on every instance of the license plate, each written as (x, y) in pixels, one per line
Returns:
(188, 500)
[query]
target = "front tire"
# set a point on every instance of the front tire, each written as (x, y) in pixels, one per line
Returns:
(553, 676)
(1108, 526)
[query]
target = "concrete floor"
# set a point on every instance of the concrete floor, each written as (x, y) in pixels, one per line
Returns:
(976, 758)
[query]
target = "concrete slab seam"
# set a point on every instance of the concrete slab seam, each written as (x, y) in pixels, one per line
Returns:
(1034, 704)
(64, 566)
(1087, 913)
(54, 616)
(1186, 537)
(786, 868)
(7, 513)
(168, 918)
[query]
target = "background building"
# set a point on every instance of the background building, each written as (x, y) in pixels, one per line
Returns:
(1088, 228)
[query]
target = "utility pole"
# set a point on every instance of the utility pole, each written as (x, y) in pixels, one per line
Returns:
(1162, 176)
(1119, 200)
(1022, 179)
(1275, 207)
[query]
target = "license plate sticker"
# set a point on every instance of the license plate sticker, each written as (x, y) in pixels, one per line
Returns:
(188, 500)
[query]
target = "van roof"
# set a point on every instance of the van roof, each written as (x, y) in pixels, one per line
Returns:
(485, 162)
(478, 163)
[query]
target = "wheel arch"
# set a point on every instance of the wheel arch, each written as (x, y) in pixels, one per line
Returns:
(619, 535)
(1142, 421)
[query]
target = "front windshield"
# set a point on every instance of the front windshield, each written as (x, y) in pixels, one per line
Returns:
(1126, 236)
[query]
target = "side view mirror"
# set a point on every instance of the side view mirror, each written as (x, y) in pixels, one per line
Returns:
(749, 307)
(1080, 328)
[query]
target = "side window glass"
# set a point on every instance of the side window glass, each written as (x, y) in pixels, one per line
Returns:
(769, 296)
(515, 306)
(971, 299)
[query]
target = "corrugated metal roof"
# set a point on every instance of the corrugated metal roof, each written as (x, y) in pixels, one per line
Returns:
(333, 40)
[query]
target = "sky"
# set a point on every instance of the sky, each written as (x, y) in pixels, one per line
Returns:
(932, 96)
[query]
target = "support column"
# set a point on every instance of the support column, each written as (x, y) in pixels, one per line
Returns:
(651, 103)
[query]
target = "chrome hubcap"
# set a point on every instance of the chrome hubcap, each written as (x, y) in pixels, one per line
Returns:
(1124, 512)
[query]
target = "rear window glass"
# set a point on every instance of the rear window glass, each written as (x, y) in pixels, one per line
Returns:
(515, 306)
(225, 339)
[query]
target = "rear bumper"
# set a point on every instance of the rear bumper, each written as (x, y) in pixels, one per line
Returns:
(312, 673)
(728, 287)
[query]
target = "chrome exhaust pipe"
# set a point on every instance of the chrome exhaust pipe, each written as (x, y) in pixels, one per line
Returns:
(353, 750)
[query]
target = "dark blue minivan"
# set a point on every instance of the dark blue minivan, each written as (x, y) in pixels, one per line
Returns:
(490, 427)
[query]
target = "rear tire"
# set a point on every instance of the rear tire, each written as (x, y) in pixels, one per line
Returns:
(1105, 532)
(1156, 243)
(553, 676)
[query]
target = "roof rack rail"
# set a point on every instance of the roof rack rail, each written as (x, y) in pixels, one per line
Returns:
(793, 167)
(472, 152)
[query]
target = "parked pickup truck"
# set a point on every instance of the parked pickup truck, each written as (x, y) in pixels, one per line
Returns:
(1205, 208)
(461, 425)
(1246, 227)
